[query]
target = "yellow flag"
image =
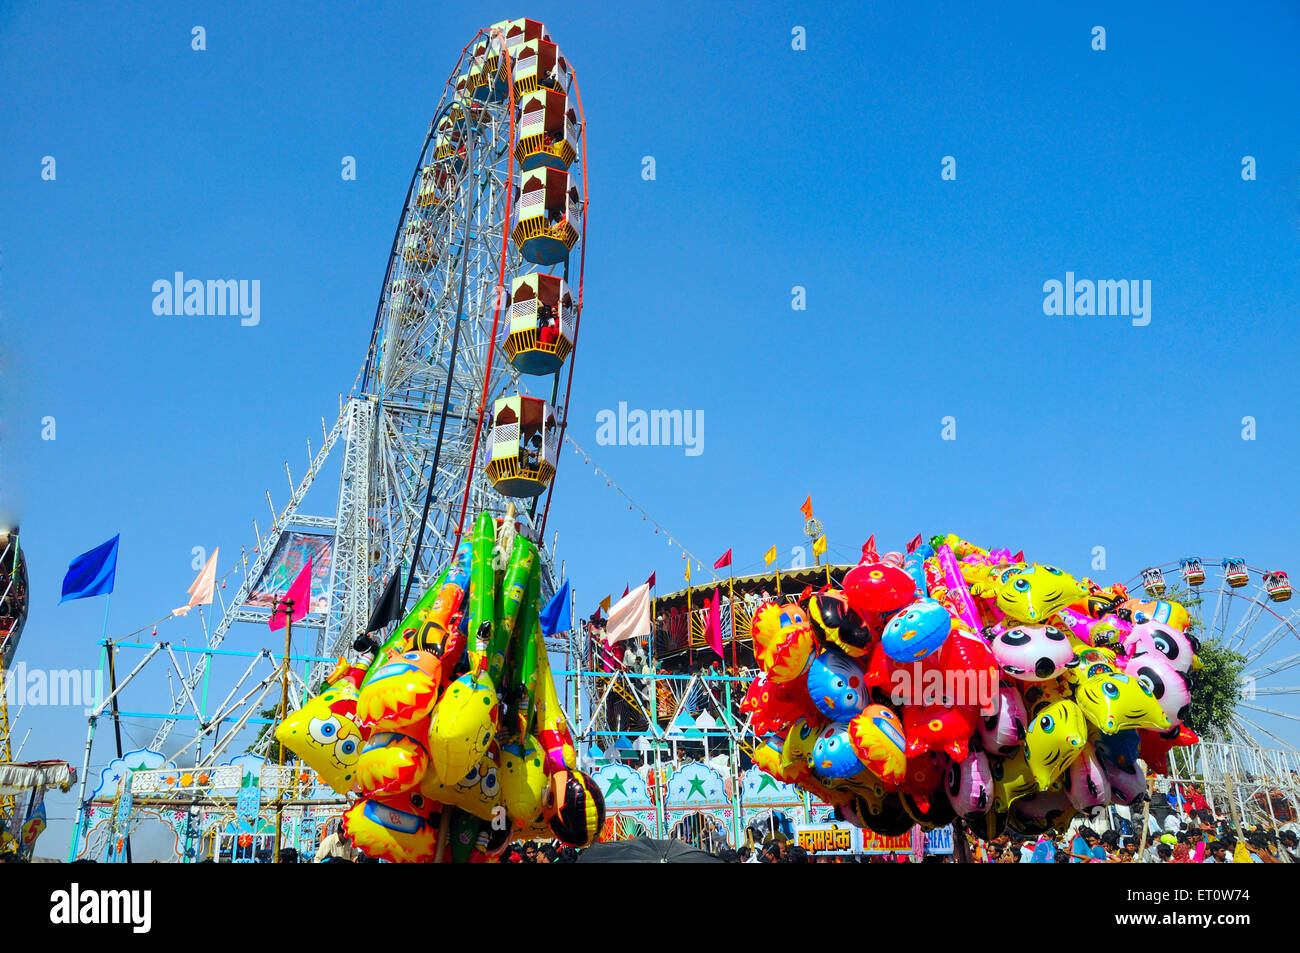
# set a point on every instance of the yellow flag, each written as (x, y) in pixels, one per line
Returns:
(688, 570)
(769, 557)
(604, 603)
(819, 545)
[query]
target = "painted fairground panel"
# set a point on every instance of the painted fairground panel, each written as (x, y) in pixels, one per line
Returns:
(291, 554)
(697, 808)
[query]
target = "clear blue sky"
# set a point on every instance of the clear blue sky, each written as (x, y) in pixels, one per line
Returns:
(775, 168)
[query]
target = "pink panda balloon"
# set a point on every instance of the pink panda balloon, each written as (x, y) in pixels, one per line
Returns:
(969, 785)
(1085, 781)
(1031, 653)
(1169, 686)
(1128, 782)
(1159, 638)
(1004, 732)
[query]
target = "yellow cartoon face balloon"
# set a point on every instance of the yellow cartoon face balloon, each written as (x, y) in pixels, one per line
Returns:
(1012, 779)
(324, 734)
(464, 724)
(479, 791)
(796, 753)
(783, 640)
(1031, 593)
(523, 777)
(1054, 737)
(1114, 701)
(392, 762)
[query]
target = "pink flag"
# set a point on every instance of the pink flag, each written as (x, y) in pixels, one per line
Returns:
(200, 590)
(630, 618)
(299, 596)
(714, 633)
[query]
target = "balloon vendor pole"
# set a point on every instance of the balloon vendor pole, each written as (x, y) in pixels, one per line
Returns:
(284, 710)
(1146, 813)
(778, 580)
(690, 623)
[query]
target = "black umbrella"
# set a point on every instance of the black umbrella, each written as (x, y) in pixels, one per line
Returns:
(645, 850)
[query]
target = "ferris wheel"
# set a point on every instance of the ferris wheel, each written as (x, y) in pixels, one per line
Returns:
(469, 364)
(1248, 611)
(460, 405)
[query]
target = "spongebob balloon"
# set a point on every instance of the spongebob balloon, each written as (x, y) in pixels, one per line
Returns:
(325, 735)
(464, 724)
(1054, 737)
(523, 777)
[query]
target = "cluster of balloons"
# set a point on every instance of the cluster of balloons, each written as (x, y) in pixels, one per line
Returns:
(957, 682)
(453, 735)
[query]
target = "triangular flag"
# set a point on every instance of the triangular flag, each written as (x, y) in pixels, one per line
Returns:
(723, 561)
(688, 570)
(389, 607)
(200, 590)
(651, 581)
(625, 590)
(819, 545)
(915, 543)
(714, 632)
(769, 557)
(92, 573)
(807, 507)
(556, 617)
(631, 617)
(1019, 557)
(604, 603)
(298, 597)
(869, 554)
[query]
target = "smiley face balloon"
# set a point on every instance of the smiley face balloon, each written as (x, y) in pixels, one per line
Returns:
(878, 739)
(833, 757)
(916, 631)
(835, 685)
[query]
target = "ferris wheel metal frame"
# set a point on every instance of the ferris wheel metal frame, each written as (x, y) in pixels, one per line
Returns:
(411, 431)
(1252, 768)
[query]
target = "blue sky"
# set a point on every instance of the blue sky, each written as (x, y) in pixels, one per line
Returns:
(775, 168)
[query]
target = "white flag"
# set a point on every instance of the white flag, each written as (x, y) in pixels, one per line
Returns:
(202, 587)
(630, 618)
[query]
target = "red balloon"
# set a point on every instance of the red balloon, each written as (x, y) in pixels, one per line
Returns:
(875, 587)
(775, 705)
(939, 728)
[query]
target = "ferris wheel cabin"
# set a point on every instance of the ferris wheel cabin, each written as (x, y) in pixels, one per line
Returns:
(542, 316)
(417, 246)
(1234, 571)
(546, 216)
(1192, 570)
(548, 130)
(1278, 585)
(1153, 581)
(539, 63)
(523, 446)
(408, 298)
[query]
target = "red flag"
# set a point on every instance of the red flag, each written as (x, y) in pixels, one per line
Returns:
(625, 589)
(714, 634)
(807, 507)
(916, 541)
(869, 554)
(298, 596)
(651, 581)
(1019, 557)
(723, 561)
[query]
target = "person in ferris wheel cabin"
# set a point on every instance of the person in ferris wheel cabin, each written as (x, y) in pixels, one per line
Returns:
(532, 452)
(546, 325)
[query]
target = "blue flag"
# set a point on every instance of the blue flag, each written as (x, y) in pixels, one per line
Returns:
(91, 573)
(556, 616)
